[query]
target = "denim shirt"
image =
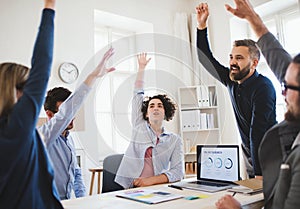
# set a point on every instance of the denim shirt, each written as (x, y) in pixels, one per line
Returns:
(67, 174)
(167, 154)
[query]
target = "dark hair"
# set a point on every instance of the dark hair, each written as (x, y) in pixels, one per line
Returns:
(58, 94)
(169, 106)
(252, 47)
(296, 60)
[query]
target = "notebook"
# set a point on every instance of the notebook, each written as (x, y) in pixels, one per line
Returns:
(148, 196)
(218, 167)
(248, 186)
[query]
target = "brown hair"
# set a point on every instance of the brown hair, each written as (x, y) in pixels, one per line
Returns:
(12, 77)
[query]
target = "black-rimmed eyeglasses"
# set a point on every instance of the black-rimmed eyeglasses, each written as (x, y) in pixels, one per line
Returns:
(285, 87)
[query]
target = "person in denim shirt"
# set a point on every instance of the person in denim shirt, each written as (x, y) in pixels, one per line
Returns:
(61, 107)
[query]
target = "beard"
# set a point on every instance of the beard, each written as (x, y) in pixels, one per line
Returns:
(239, 75)
(292, 114)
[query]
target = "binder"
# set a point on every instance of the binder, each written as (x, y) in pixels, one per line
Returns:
(191, 120)
(203, 96)
(199, 97)
(210, 121)
(203, 121)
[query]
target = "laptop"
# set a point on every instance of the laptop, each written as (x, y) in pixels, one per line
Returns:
(218, 167)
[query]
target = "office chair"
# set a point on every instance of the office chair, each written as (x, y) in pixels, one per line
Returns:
(110, 167)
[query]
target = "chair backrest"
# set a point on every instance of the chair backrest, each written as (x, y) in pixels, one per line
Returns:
(110, 167)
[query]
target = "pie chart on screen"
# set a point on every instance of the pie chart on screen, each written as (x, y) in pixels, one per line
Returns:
(228, 163)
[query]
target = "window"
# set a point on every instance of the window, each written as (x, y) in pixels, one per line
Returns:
(284, 25)
(291, 31)
(114, 92)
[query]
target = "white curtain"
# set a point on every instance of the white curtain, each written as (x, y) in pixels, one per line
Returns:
(182, 47)
(201, 75)
(185, 29)
(196, 64)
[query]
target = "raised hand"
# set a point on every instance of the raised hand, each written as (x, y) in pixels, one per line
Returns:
(142, 60)
(49, 4)
(101, 69)
(202, 15)
(243, 9)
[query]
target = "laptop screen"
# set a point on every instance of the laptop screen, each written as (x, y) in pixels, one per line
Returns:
(218, 162)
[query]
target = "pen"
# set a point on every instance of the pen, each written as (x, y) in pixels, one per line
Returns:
(175, 187)
(233, 194)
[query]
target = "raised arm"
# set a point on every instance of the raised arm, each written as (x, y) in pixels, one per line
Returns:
(57, 124)
(137, 115)
(277, 57)
(202, 15)
(142, 62)
(36, 84)
(205, 55)
(244, 10)
(101, 69)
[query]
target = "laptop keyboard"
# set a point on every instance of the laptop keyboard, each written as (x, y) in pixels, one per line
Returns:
(206, 183)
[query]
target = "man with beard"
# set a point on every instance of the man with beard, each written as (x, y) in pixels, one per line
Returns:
(252, 95)
(60, 107)
(279, 152)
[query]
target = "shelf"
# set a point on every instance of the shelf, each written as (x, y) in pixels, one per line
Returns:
(190, 153)
(187, 107)
(200, 130)
(199, 118)
(187, 176)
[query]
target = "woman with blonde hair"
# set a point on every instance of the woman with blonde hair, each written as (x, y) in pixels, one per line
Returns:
(26, 175)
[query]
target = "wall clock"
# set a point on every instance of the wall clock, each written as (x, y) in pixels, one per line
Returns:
(68, 72)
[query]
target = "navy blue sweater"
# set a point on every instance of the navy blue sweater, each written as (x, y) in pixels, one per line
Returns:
(253, 101)
(26, 176)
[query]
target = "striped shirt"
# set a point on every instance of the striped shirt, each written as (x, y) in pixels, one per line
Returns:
(167, 154)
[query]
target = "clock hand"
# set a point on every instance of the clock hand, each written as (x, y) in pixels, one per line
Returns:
(65, 70)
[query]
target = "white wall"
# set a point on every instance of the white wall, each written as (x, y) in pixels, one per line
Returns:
(220, 42)
(74, 36)
(74, 40)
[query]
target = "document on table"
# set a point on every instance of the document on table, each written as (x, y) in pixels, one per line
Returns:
(149, 196)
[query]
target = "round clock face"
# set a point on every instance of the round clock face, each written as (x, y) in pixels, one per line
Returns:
(68, 72)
